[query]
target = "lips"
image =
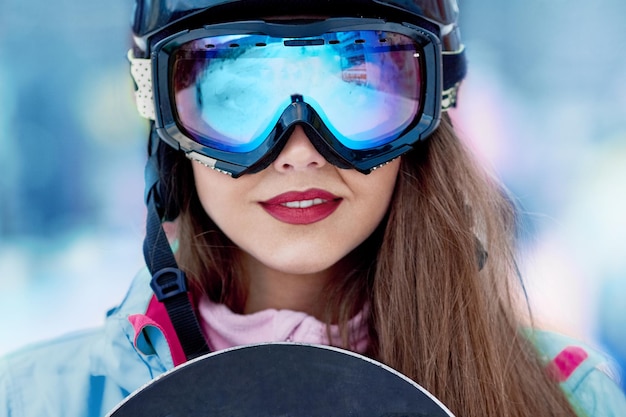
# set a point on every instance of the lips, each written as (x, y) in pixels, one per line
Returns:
(302, 208)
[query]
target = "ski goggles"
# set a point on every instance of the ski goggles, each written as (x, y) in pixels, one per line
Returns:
(228, 95)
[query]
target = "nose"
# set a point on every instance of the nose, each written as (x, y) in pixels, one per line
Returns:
(299, 154)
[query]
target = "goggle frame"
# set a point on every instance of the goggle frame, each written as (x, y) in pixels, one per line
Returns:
(237, 163)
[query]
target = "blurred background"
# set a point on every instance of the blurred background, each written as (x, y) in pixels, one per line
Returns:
(544, 106)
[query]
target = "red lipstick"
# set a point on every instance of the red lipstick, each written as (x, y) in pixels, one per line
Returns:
(302, 207)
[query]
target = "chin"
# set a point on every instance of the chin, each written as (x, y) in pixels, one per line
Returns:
(304, 268)
(298, 262)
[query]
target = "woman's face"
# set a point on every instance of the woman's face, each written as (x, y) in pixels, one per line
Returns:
(300, 215)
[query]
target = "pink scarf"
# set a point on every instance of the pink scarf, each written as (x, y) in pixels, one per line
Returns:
(226, 329)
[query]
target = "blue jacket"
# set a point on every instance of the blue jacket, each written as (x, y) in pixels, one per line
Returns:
(86, 374)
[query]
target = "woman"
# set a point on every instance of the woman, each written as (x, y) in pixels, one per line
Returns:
(313, 192)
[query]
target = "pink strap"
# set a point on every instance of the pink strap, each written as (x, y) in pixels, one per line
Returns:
(566, 362)
(156, 315)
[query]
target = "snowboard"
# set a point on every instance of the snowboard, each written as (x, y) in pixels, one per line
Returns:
(280, 380)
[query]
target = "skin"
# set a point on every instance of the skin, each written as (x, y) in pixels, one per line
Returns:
(286, 265)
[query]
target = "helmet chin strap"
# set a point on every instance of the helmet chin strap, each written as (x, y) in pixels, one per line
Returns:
(168, 282)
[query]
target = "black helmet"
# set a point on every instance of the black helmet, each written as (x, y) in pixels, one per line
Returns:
(152, 17)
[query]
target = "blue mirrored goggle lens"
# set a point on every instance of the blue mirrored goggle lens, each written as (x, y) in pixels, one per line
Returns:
(230, 91)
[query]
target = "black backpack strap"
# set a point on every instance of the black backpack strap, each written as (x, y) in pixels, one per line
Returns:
(170, 285)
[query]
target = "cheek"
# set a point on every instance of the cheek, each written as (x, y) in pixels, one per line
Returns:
(227, 201)
(372, 197)
(213, 188)
(376, 188)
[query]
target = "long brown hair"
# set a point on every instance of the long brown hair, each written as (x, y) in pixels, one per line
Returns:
(436, 313)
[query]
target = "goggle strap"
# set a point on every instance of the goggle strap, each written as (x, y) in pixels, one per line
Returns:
(449, 97)
(454, 70)
(141, 70)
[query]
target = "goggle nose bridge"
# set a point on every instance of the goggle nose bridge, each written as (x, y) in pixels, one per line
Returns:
(300, 113)
(297, 111)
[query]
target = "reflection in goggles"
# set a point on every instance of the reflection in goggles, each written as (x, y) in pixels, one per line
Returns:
(230, 91)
